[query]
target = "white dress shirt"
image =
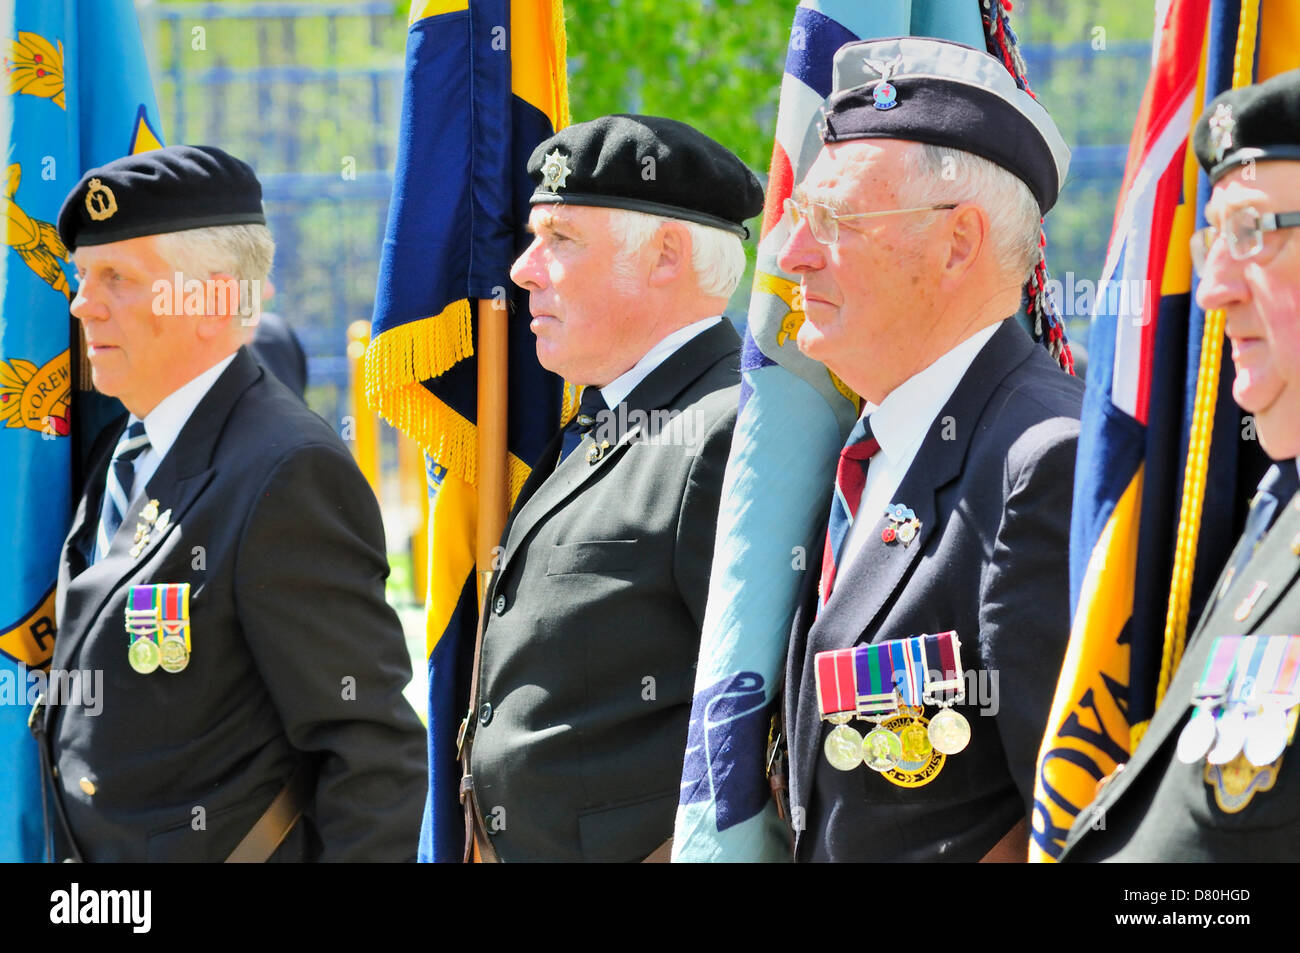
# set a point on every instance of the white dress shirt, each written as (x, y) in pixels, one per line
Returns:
(163, 424)
(900, 424)
(616, 391)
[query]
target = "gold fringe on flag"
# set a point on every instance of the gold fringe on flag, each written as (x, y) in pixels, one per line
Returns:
(1198, 447)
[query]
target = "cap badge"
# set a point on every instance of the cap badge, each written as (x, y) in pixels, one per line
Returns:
(101, 203)
(1221, 127)
(884, 94)
(554, 171)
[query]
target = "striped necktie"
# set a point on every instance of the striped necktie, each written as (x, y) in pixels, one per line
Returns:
(850, 478)
(117, 492)
(590, 406)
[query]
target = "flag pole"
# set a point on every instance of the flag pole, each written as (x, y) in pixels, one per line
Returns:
(493, 477)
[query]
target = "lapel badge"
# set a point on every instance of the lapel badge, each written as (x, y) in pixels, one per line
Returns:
(150, 521)
(596, 454)
(1247, 605)
(555, 170)
(1221, 128)
(903, 525)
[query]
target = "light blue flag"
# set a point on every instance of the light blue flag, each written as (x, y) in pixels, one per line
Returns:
(794, 418)
(79, 96)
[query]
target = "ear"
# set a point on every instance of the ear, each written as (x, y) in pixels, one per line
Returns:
(222, 307)
(968, 231)
(671, 247)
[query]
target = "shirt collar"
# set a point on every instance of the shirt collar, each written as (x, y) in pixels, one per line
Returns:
(900, 422)
(163, 424)
(616, 391)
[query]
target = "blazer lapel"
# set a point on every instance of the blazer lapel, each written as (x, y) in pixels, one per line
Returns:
(545, 491)
(177, 482)
(1273, 550)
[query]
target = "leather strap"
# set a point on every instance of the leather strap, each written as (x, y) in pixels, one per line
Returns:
(663, 854)
(276, 821)
(473, 824)
(1013, 848)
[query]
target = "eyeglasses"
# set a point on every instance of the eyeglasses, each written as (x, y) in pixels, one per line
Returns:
(824, 222)
(1244, 228)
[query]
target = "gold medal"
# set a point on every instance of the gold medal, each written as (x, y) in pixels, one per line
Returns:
(144, 655)
(174, 655)
(913, 769)
(843, 748)
(949, 731)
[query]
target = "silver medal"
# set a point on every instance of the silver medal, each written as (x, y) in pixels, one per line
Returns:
(1197, 737)
(843, 748)
(1230, 736)
(1265, 736)
(949, 731)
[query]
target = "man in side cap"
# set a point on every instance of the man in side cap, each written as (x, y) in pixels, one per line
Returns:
(926, 650)
(1215, 777)
(577, 726)
(225, 569)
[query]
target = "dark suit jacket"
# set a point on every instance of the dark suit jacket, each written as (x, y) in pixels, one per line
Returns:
(296, 655)
(276, 347)
(1158, 808)
(594, 623)
(990, 561)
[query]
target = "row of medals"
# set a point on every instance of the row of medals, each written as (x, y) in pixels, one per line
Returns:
(1257, 730)
(147, 655)
(885, 749)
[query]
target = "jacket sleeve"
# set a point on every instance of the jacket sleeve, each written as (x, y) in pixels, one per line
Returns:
(309, 593)
(1025, 598)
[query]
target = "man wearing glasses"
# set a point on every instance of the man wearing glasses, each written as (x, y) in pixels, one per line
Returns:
(1215, 778)
(913, 234)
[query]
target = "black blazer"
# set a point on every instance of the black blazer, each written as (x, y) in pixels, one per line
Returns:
(1158, 808)
(991, 484)
(296, 655)
(588, 659)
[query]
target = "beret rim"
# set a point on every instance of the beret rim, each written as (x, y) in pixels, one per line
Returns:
(1237, 158)
(101, 237)
(639, 205)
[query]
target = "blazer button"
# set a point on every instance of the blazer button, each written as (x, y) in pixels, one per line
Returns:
(485, 714)
(87, 786)
(499, 607)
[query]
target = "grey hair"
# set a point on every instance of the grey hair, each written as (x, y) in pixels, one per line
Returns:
(717, 256)
(938, 174)
(243, 251)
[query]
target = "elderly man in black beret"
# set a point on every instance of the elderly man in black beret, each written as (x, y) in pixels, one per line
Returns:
(926, 650)
(225, 569)
(576, 732)
(1214, 778)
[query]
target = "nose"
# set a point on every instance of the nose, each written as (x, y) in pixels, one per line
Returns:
(527, 271)
(1222, 281)
(801, 252)
(86, 305)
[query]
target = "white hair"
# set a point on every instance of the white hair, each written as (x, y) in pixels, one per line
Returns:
(935, 174)
(243, 251)
(717, 256)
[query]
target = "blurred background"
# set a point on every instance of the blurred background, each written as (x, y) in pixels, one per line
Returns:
(309, 94)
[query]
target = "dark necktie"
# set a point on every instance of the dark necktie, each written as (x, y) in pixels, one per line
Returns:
(590, 406)
(850, 478)
(117, 490)
(1275, 490)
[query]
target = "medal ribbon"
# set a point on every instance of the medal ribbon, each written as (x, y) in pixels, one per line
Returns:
(875, 670)
(1252, 651)
(1290, 668)
(837, 689)
(1218, 670)
(908, 658)
(142, 614)
(943, 656)
(1274, 650)
(175, 599)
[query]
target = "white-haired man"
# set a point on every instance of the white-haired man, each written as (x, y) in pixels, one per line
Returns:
(576, 730)
(225, 569)
(913, 234)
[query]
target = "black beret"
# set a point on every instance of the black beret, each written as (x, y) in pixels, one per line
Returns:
(646, 164)
(164, 190)
(945, 94)
(1252, 123)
